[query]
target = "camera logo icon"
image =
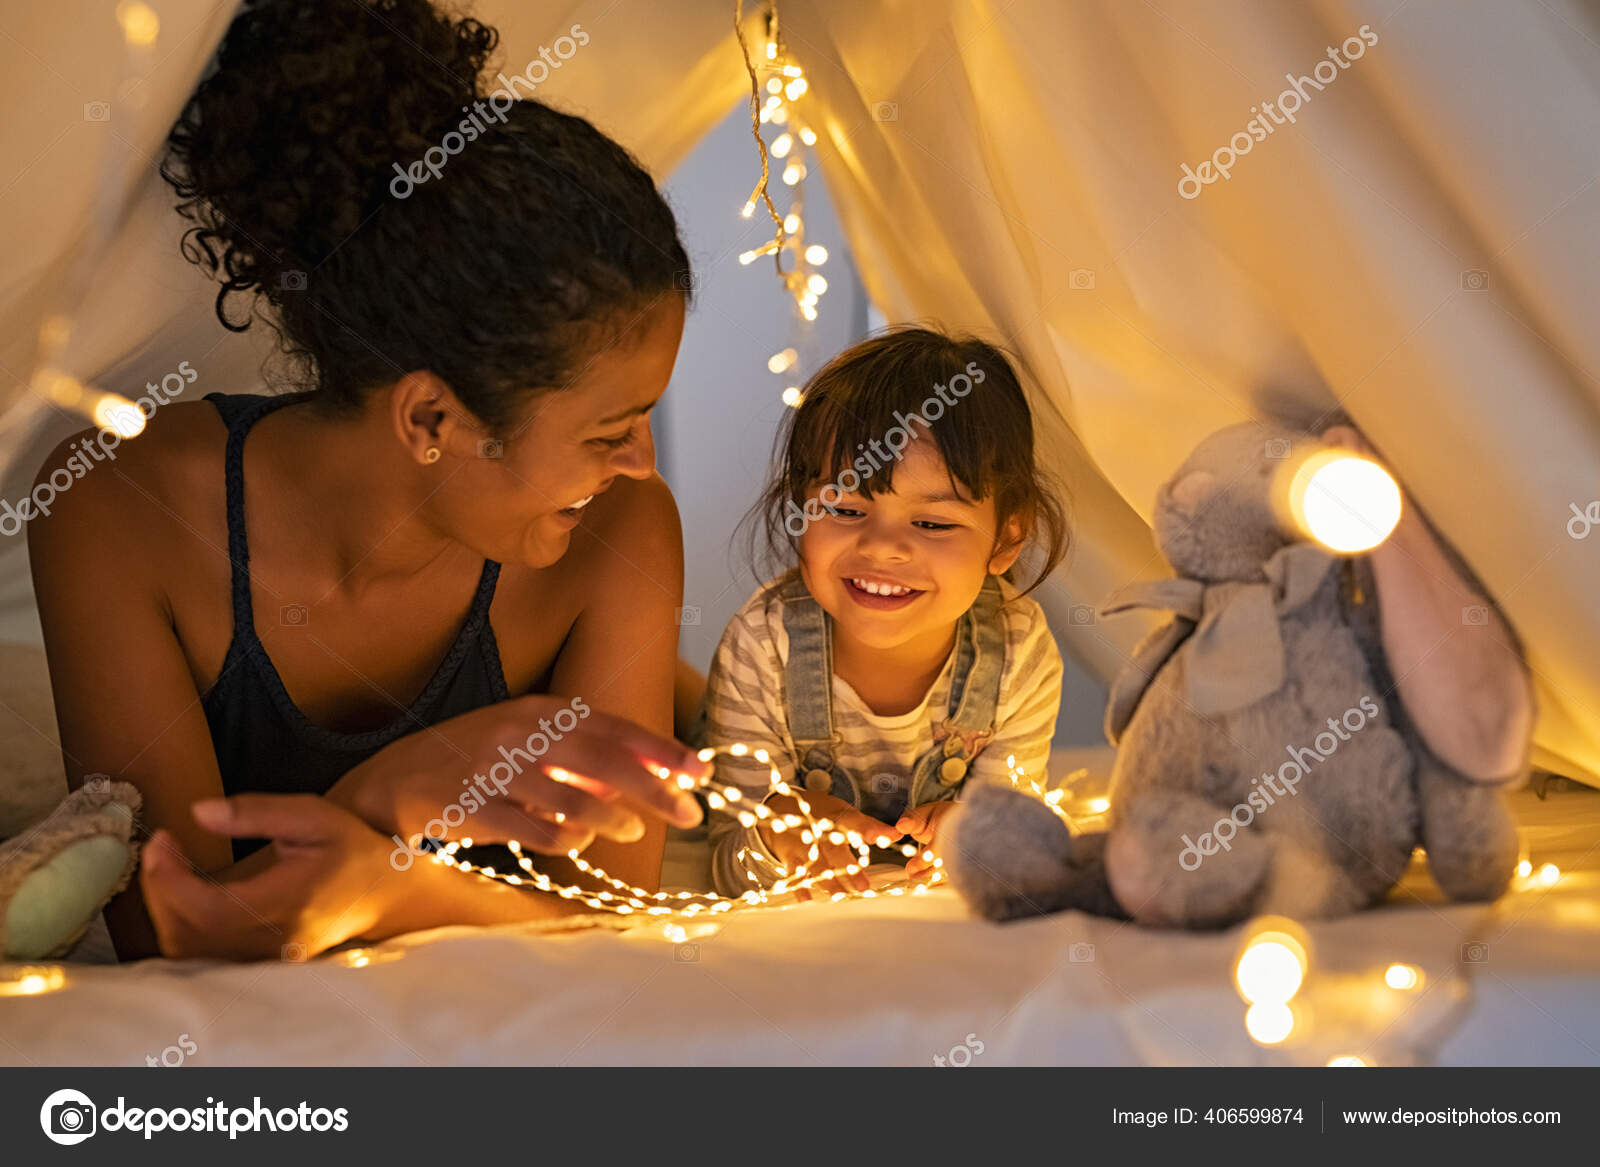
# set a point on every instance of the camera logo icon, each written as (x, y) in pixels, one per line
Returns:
(686, 281)
(492, 448)
(886, 111)
(686, 954)
(1474, 952)
(293, 615)
(292, 281)
(97, 783)
(1081, 279)
(1081, 954)
(689, 616)
(1082, 614)
(67, 1117)
(1475, 614)
(884, 783)
(1277, 449)
(97, 111)
(1475, 280)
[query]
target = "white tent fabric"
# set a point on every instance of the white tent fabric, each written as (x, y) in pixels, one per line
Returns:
(1420, 247)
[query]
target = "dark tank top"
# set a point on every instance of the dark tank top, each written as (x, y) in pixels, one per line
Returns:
(263, 742)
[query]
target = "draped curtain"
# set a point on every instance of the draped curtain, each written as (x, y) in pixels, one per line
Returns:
(1419, 247)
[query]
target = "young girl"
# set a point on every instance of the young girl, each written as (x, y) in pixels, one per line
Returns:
(895, 663)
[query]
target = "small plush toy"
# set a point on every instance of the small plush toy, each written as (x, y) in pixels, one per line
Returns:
(1266, 762)
(57, 875)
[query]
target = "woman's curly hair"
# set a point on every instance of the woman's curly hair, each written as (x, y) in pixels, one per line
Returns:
(534, 246)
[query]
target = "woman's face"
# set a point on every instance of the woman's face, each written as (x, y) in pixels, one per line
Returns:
(517, 500)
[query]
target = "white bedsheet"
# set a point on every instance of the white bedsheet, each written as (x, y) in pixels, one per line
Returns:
(895, 982)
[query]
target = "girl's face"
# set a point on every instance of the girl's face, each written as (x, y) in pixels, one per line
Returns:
(517, 500)
(904, 565)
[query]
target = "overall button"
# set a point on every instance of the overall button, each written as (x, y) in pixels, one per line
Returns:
(952, 770)
(819, 782)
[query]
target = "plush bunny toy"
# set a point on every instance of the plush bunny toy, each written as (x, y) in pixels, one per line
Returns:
(57, 875)
(1265, 761)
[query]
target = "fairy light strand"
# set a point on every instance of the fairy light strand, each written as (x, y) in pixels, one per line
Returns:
(624, 899)
(784, 82)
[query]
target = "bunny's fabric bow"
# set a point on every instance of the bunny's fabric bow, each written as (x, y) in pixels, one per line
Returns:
(1235, 654)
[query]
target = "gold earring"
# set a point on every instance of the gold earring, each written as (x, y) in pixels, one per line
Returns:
(432, 455)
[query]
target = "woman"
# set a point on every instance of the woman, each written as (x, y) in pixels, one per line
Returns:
(325, 621)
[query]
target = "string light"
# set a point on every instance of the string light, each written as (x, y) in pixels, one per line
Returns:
(1402, 976)
(623, 899)
(781, 362)
(32, 980)
(783, 81)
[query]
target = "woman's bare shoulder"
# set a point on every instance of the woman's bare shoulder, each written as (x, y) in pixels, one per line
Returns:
(167, 479)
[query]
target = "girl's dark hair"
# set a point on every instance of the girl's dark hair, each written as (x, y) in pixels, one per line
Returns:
(535, 244)
(857, 400)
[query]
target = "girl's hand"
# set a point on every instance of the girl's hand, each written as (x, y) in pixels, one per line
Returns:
(507, 773)
(324, 879)
(924, 825)
(792, 853)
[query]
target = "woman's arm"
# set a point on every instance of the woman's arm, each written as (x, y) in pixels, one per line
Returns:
(125, 702)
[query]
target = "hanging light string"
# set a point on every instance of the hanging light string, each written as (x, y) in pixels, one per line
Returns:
(760, 192)
(784, 83)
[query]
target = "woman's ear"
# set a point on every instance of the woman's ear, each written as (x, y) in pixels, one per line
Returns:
(427, 416)
(1008, 545)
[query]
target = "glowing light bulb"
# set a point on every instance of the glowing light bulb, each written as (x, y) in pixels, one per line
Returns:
(1346, 1060)
(1269, 1022)
(774, 85)
(1271, 969)
(791, 70)
(808, 135)
(1097, 805)
(795, 88)
(1401, 976)
(119, 415)
(817, 284)
(781, 362)
(1524, 869)
(791, 223)
(792, 397)
(772, 50)
(781, 145)
(816, 255)
(1347, 503)
(32, 980)
(809, 311)
(1549, 873)
(748, 209)
(140, 24)
(793, 173)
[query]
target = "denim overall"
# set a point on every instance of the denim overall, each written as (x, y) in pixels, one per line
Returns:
(974, 694)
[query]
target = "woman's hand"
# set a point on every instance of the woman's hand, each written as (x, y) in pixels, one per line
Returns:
(793, 854)
(509, 772)
(324, 879)
(924, 825)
